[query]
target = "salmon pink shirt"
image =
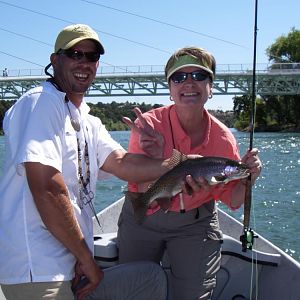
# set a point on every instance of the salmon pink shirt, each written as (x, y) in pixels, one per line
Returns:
(219, 141)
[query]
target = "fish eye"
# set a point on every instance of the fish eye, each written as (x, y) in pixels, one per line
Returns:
(229, 170)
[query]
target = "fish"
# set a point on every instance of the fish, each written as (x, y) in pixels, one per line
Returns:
(214, 169)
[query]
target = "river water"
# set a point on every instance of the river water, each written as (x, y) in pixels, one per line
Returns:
(275, 197)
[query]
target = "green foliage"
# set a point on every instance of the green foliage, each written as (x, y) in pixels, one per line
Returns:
(227, 117)
(111, 113)
(274, 113)
(286, 48)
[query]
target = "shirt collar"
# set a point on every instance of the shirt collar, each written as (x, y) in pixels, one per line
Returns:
(180, 137)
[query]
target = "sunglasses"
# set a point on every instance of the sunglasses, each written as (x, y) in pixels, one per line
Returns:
(79, 55)
(179, 77)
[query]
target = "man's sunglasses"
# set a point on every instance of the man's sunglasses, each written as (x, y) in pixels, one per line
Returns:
(179, 77)
(78, 54)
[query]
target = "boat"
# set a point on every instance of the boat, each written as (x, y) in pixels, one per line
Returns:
(263, 273)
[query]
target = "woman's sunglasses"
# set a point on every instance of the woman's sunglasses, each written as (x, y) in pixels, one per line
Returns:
(179, 77)
(78, 54)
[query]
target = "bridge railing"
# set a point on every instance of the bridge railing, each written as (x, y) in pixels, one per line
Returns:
(159, 69)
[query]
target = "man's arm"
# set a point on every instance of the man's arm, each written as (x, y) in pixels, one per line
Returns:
(53, 204)
(135, 167)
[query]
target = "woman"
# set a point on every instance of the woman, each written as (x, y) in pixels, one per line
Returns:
(191, 239)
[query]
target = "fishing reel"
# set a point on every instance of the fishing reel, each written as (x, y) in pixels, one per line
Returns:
(247, 239)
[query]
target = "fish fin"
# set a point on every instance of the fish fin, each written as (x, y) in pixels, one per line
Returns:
(176, 158)
(179, 156)
(164, 203)
(139, 205)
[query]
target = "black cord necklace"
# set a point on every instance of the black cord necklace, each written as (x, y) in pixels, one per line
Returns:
(85, 194)
(75, 123)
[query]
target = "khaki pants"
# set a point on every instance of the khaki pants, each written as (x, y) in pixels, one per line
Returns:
(60, 290)
(191, 241)
(135, 281)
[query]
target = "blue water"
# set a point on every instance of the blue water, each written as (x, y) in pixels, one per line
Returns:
(276, 195)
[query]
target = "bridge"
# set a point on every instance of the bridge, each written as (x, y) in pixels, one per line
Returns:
(149, 80)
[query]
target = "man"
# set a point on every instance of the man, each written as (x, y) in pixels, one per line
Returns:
(5, 72)
(55, 153)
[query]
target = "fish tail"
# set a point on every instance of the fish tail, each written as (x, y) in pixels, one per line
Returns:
(139, 205)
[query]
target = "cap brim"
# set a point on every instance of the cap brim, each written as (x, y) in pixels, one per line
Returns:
(75, 41)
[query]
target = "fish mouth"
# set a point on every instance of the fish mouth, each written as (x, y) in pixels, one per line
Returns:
(242, 174)
(233, 173)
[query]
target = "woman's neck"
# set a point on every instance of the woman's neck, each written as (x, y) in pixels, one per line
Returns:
(194, 124)
(190, 119)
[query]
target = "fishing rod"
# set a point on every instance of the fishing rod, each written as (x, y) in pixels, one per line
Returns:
(247, 237)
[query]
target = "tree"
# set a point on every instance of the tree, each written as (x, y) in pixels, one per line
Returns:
(286, 49)
(275, 112)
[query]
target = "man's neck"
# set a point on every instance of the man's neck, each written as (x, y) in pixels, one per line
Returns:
(76, 99)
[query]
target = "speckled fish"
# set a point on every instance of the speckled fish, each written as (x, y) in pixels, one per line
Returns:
(214, 169)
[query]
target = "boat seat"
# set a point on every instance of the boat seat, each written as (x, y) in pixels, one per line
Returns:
(106, 251)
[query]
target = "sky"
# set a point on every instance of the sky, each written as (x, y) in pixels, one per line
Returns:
(139, 32)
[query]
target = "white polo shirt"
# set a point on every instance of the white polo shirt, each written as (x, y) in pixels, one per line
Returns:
(38, 129)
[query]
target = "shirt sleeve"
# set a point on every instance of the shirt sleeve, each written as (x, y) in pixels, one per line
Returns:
(106, 145)
(134, 147)
(36, 130)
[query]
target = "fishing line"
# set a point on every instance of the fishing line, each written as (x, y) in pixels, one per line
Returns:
(247, 237)
(255, 256)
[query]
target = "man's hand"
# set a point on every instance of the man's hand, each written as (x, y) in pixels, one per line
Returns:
(93, 274)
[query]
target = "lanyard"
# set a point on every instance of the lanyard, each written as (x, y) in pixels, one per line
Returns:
(85, 194)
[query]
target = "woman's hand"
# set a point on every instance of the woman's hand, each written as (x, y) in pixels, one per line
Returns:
(195, 185)
(151, 141)
(252, 160)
